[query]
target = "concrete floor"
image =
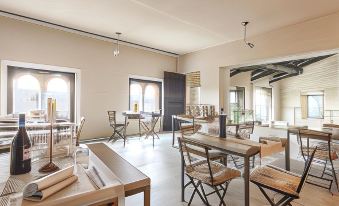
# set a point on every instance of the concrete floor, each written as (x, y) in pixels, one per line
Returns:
(162, 165)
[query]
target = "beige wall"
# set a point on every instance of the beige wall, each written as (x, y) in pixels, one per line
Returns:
(104, 78)
(314, 35)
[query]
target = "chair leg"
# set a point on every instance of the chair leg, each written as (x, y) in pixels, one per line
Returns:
(196, 190)
(266, 196)
(112, 136)
(224, 192)
(325, 165)
(204, 194)
(222, 202)
(334, 175)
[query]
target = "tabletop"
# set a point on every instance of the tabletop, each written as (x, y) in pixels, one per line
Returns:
(79, 193)
(130, 176)
(243, 148)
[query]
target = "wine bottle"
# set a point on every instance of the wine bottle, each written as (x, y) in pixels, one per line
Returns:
(21, 150)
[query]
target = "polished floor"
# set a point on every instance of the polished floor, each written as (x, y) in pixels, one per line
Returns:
(162, 165)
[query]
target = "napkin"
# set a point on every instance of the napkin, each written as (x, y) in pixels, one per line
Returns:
(41, 189)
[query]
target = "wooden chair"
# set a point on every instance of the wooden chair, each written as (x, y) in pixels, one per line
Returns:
(308, 140)
(280, 181)
(243, 132)
(189, 130)
(79, 130)
(204, 171)
(149, 124)
(119, 129)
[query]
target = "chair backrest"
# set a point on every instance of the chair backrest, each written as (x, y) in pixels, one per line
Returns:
(306, 170)
(187, 150)
(189, 129)
(307, 134)
(112, 118)
(245, 130)
(79, 130)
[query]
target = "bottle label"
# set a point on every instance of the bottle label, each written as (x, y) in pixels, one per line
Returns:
(26, 154)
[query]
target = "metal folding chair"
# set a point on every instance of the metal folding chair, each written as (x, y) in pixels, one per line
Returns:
(203, 171)
(119, 129)
(324, 154)
(149, 124)
(79, 130)
(285, 183)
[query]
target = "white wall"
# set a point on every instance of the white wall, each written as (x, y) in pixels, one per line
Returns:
(104, 78)
(310, 36)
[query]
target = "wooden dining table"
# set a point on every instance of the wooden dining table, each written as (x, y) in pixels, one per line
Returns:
(294, 130)
(232, 146)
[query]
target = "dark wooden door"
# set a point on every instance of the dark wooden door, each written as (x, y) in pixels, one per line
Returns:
(174, 97)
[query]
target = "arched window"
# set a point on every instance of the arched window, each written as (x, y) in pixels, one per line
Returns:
(150, 99)
(26, 94)
(58, 88)
(136, 96)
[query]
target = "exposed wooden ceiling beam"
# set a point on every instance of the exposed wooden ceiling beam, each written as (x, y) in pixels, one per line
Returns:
(275, 79)
(282, 68)
(261, 74)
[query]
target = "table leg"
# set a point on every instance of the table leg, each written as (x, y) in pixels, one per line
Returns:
(247, 180)
(147, 196)
(173, 131)
(182, 181)
(287, 152)
(125, 137)
(139, 128)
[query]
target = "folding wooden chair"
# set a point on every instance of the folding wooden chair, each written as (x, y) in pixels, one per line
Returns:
(308, 140)
(149, 125)
(118, 128)
(203, 171)
(79, 130)
(283, 182)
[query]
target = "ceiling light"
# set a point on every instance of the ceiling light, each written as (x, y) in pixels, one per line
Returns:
(116, 52)
(245, 34)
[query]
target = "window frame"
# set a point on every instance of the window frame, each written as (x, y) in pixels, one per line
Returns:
(141, 80)
(43, 67)
(14, 72)
(322, 109)
(236, 90)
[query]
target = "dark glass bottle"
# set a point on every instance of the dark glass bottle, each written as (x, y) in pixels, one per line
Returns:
(21, 150)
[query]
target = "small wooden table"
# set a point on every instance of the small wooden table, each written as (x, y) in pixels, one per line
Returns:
(133, 115)
(242, 148)
(134, 180)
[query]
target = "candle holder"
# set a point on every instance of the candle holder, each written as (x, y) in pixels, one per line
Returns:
(50, 166)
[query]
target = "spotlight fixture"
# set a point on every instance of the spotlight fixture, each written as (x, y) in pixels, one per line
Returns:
(245, 23)
(116, 52)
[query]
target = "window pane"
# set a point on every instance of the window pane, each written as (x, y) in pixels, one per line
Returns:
(233, 97)
(151, 98)
(26, 94)
(263, 104)
(315, 106)
(59, 89)
(136, 96)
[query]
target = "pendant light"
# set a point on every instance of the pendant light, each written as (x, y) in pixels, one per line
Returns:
(245, 23)
(116, 52)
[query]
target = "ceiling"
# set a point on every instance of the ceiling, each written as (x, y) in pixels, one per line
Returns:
(178, 26)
